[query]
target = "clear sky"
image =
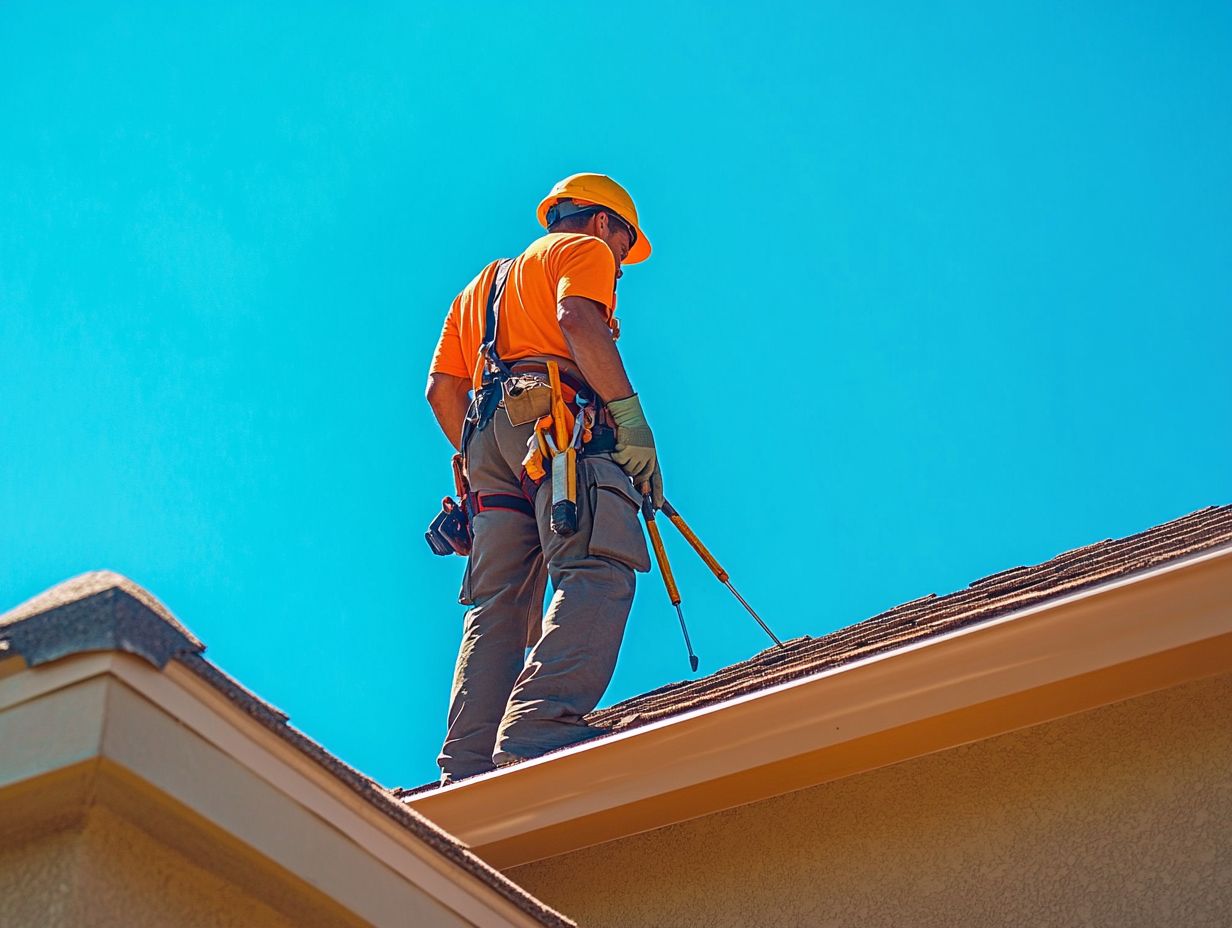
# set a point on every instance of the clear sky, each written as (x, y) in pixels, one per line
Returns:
(937, 290)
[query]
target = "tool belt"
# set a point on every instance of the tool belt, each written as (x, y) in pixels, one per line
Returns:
(528, 398)
(527, 393)
(559, 439)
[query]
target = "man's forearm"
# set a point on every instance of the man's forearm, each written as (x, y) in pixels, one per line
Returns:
(449, 398)
(590, 342)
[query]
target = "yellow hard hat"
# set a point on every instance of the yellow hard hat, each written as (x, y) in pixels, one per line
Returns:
(599, 190)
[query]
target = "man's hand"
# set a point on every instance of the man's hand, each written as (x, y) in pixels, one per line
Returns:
(635, 447)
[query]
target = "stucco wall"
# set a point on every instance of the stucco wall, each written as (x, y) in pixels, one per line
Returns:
(1120, 817)
(107, 873)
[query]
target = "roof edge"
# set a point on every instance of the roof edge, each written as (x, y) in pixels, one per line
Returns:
(579, 796)
(367, 790)
(96, 611)
(1081, 568)
(145, 710)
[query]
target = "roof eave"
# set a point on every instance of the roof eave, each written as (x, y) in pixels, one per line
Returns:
(171, 741)
(101, 632)
(1142, 632)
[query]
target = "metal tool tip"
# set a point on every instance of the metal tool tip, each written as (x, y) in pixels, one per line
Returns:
(693, 662)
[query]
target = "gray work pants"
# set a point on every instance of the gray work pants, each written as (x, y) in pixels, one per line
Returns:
(505, 704)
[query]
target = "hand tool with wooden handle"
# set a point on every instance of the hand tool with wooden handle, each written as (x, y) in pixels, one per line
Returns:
(656, 542)
(713, 564)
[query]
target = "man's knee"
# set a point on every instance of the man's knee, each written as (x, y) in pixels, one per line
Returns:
(594, 576)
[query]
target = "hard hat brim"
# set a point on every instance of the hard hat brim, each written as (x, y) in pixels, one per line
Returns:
(640, 250)
(638, 253)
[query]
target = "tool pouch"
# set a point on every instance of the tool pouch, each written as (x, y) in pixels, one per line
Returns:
(450, 531)
(616, 532)
(526, 399)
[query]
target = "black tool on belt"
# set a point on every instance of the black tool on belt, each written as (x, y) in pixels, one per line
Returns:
(451, 531)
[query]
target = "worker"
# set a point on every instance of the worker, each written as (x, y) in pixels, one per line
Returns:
(556, 303)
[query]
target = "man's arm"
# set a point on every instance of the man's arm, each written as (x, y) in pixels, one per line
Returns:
(590, 342)
(449, 399)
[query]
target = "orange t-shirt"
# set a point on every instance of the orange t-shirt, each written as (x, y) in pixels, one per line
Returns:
(558, 265)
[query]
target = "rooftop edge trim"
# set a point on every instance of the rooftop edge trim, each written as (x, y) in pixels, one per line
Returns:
(1067, 638)
(96, 611)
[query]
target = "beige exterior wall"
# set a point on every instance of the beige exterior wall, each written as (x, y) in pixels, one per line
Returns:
(105, 872)
(1119, 816)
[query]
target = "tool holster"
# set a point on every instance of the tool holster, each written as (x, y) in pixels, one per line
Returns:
(450, 532)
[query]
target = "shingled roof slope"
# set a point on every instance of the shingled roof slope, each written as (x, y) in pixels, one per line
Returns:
(932, 615)
(102, 610)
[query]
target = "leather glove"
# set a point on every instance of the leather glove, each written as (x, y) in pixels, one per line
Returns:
(635, 447)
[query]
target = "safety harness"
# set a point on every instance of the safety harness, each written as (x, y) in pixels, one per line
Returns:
(495, 372)
(574, 404)
(570, 431)
(487, 400)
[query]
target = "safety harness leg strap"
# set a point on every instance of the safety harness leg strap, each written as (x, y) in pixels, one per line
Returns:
(484, 502)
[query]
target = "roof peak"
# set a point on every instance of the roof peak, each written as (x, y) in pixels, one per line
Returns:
(97, 611)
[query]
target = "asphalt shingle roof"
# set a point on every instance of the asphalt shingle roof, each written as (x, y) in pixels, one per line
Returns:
(932, 615)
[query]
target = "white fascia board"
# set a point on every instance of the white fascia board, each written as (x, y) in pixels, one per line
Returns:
(40, 735)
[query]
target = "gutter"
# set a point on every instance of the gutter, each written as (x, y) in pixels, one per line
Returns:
(1112, 641)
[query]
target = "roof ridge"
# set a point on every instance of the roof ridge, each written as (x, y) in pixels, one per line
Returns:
(96, 611)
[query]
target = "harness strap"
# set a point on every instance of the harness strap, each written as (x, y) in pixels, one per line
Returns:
(488, 396)
(530, 486)
(491, 324)
(482, 502)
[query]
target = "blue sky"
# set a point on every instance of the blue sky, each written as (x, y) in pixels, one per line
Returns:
(936, 291)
